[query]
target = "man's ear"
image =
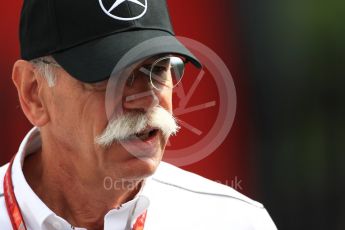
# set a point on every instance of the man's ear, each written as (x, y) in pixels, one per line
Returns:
(28, 85)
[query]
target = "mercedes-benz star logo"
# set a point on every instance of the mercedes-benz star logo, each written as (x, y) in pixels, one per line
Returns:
(117, 3)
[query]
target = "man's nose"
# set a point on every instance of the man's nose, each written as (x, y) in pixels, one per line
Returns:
(140, 95)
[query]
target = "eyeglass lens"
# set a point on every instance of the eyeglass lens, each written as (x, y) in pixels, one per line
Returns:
(164, 72)
(167, 72)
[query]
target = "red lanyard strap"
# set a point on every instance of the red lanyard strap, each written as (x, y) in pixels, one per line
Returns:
(15, 215)
(11, 202)
(140, 222)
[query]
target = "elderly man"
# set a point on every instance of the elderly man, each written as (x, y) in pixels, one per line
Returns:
(101, 121)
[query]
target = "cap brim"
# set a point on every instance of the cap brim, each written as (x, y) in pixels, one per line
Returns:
(95, 61)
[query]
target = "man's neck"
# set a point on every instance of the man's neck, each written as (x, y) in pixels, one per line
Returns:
(63, 188)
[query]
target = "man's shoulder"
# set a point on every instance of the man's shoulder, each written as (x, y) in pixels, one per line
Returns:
(191, 198)
(4, 219)
(180, 179)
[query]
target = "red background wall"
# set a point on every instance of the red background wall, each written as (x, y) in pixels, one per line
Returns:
(211, 23)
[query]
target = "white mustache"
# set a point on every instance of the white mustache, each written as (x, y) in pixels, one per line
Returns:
(124, 127)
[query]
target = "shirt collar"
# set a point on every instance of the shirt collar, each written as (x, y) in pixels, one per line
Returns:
(38, 216)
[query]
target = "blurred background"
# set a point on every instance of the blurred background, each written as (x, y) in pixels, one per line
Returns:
(286, 148)
(295, 57)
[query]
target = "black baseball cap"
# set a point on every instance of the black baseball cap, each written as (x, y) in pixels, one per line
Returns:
(88, 37)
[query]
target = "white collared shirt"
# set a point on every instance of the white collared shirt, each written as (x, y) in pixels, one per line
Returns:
(175, 199)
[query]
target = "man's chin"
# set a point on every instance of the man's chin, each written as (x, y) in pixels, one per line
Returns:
(137, 168)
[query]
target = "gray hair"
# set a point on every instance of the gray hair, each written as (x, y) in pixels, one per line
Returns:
(45, 67)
